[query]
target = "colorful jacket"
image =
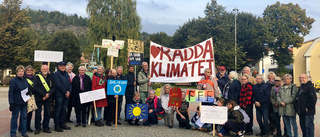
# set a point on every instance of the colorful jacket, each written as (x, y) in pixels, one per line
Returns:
(245, 98)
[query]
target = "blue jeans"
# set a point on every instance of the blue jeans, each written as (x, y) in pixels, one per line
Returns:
(99, 114)
(60, 108)
(291, 121)
(23, 120)
(307, 125)
(262, 114)
(207, 126)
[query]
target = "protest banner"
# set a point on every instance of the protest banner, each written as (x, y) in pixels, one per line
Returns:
(113, 52)
(137, 111)
(93, 95)
(214, 115)
(48, 56)
(116, 87)
(200, 96)
(135, 52)
(180, 65)
(175, 97)
(108, 43)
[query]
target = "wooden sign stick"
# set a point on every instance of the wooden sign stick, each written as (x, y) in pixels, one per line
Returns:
(95, 108)
(116, 121)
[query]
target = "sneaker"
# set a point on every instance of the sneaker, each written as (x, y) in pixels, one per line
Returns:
(58, 129)
(47, 130)
(210, 133)
(65, 127)
(99, 123)
(37, 132)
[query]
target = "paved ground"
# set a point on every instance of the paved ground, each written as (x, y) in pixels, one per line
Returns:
(123, 130)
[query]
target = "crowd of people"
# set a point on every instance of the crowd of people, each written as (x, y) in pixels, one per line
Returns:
(58, 93)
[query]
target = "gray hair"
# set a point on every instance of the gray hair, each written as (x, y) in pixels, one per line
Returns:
(287, 75)
(120, 67)
(164, 88)
(28, 67)
(101, 67)
(207, 69)
(44, 65)
(259, 75)
(69, 63)
(233, 74)
(247, 67)
(272, 73)
(82, 67)
(144, 62)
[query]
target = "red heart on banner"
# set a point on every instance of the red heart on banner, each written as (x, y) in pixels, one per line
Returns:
(155, 51)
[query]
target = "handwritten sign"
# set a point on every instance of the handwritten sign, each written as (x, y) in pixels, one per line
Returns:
(135, 52)
(200, 96)
(116, 87)
(48, 56)
(175, 97)
(113, 52)
(93, 95)
(108, 43)
(135, 58)
(137, 111)
(215, 115)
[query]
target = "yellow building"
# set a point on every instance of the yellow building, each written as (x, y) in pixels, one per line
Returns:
(307, 60)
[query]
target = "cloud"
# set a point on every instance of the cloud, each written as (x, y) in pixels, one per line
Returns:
(155, 5)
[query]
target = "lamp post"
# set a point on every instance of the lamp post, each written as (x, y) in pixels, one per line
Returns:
(235, 38)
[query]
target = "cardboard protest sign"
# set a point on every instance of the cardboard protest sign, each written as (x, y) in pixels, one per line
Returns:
(200, 96)
(48, 56)
(135, 52)
(137, 111)
(180, 65)
(175, 97)
(108, 43)
(113, 52)
(214, 115)
(93, 95)
(116, 87)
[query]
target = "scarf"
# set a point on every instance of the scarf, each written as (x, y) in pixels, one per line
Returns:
(81, 81)
(29, 77)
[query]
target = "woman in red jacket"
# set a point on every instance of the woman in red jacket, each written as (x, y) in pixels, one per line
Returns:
(98, 82)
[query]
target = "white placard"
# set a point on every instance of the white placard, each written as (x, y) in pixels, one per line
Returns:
(24, 95)
(215, 115)
(48, 56)
(92, 95)
(108, 43)
(113, 52)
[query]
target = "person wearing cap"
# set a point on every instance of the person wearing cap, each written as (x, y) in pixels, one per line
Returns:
(62, 93)
(222, 77)
(273, 98)
(208, 82)
(154, 108)
(247, 70)
(285, 98)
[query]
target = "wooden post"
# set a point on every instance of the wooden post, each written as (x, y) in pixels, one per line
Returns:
(213, 129)
(111, 62)
(95, 109)
(49, 65)
(89, 118)
(116, 121)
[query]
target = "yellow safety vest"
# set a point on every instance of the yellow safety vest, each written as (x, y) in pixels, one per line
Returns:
(44, 83)
(30, 82)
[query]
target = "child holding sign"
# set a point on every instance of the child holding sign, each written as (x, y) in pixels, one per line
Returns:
(196, 124)
(183, 112)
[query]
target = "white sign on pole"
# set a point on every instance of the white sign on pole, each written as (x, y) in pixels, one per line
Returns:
(48, 56)
(92, 95)
(113, 52)
(108, 43)
(214, 115)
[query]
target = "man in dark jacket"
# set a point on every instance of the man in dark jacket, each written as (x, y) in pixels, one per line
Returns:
(222, 77)
(306, 105)
(261, 98)
(62, 93)
(120, 77)
(43, 88)
(130, 87)
(111, 108)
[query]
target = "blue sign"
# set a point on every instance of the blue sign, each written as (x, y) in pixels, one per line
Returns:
(116, 87)
(137, 111)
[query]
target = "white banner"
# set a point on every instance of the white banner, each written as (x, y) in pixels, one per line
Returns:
(113, 52)
(108, 43)
(214, 115)
(92, 95)
(48, 56)
(180, 65)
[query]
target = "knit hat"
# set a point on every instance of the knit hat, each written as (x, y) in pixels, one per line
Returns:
(152, 91)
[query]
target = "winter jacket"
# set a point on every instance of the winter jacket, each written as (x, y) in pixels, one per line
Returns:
(130, 85)
(232, 90)
(76, 90)
(30, 87)
(209, 86)
(16, 85)
(287, 95)
(63, 83)
(164, 103)
(143, 81)
(306, 99)
(96, 85)
(235, 115)
(273, 97)
(245, 98)
(154, 104)
(40, 91)
(195, 118)
(132, 101)
(222, 81)
(261, 94)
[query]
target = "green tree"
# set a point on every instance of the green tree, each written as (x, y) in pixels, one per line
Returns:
(113, 18)
(285, 25)
(17, 40)
(160, 38)
(67, 42)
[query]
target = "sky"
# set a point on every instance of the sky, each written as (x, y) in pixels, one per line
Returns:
(168, 15)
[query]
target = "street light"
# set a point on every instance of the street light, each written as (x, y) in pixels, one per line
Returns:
(235, 38)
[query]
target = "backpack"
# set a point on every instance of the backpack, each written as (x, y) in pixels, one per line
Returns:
(246, 118)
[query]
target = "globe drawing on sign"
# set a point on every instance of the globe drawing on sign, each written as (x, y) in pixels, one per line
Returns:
(117, 89)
